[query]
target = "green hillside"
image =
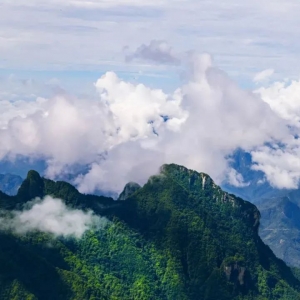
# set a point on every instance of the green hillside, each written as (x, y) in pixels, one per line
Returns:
(178, 237)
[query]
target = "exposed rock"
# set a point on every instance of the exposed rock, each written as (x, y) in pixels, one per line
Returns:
(129, 189)
(235, 273)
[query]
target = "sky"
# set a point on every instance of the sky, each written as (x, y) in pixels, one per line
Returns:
(104, 92)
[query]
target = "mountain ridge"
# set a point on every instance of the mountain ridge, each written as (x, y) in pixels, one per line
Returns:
(177, 237)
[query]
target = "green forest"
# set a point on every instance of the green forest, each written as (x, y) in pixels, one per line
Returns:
(177, 237)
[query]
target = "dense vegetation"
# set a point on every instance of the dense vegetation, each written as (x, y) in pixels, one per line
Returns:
(178, 237)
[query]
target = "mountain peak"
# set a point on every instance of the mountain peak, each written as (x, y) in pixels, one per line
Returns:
(32, 187)
(129, 189)
(33, 175)
(190, 178)
(201, 186)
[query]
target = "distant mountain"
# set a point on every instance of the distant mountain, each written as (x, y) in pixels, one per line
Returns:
(280, 227)
(280, 210)
(257, 187)
(177, 237)
(10, 184)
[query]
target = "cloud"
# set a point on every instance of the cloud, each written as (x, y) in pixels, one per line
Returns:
(69, 35)
(280, 161)
(158, 52)
(88, 4)
(236, 179)
(130, 130)
(60, 129)
(263, 75)
(217, 117)
(284, 99)
(137, 109)
(52, 216)
(66, 131)
(280, 165)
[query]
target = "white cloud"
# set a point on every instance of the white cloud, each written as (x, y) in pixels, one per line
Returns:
(280, 161)
(130, 130)
(137, 109)
(61, 129)
(51, 216)
(284, 99)
(67, 131)
(280, 165)
(236, 179)
(263, 75)
(131, 161)
(221, 118)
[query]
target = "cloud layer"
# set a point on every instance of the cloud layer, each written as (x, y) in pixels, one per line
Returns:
(85, 35)
(52, 216)
(130, 130)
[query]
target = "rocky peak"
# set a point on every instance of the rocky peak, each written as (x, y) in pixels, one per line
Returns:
(203, 187)
(32, 187)
(129, 189)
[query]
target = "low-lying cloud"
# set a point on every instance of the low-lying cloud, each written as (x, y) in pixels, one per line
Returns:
(52, 216)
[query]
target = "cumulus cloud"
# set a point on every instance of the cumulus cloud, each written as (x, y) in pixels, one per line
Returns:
(159, 52)
(66, 131)
(217, 118)
(130, 130)
(52, 216)
(61, 129)
(280, 161)
(284, 99)
(280, 165)
(263, 75)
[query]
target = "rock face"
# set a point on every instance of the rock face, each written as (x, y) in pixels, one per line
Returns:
(9, 183)
(129, 189)
(235, 273)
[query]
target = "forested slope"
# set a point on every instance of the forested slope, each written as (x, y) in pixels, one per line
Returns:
(178, 237)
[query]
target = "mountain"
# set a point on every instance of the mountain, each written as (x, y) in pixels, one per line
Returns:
(10, 183)
(280, 228)
(255, 187)
(129, 189)
(280, 222)
(177, 237)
